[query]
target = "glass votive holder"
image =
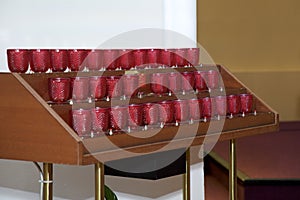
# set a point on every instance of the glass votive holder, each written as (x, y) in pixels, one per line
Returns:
(40, 60)
(94, 60)
(59, 89)
(59, 60)
(110, 57)
(100, 120)
(139, 57)
(206, 108)
(166, 112)
(152, 58)
(212, 79)
(135, 118)
(233, 105)
(179, 58)
(97, 87)
(130, 84)
(159, 83)
(118, 118)
(220, 105)
(188, 81)
(82, 122)
(114, 86)
(200, 84)
(125, 59)
(192, 56)
(246, 103)
(194, 109)
(151, 113)
(174, 82)
(77, 59)
(181, 110)
(18, 60)
(165, 57)
(80, 88)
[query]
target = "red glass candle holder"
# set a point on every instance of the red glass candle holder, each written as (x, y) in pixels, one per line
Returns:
(80, 88)
(59, 60)
(174, 82)
(135, 115)
(188, 81)
(97, 87)
(166, 111)
(165, 57)
(125, 59)
(77, 59)
(114, 86)
(220, 105)
(152, 57)
(194, 109)
(200, 84)
(139, 57)
(18, 60)
(118, 118)
(110, 59)
(192, 56)
(94, 59)
(151, 113)
(181, 110)
(206, 108)
(233, 104)
(212, 79)
(59, 89)
(130, 84)
(246, 103)
(159, 83)
(100, 120)
(82, 122)
(179, 58)
(40, 60)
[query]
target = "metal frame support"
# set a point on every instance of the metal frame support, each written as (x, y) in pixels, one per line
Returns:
(47, 181)
(232, 171)
(99, 181)
(187, 177)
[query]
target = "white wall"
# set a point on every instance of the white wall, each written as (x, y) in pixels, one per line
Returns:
(90, 24)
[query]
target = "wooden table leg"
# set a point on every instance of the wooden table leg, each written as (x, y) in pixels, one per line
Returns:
(232, 171)
(187, 177)
(47, 181)
(99, 181)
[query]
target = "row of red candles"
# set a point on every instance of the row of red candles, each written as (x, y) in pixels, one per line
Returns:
(98, 87)
(58, 60)
(101, 120)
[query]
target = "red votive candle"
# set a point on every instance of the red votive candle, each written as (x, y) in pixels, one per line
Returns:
(192, 56)
(100, 119)
(118, 117)
(181, 110)
(114, 86)
(77, 58)
(151, 113)
(188, 81)
(233, 104)
(179, 58)
(59, 60)
(246, 103)
(206, 107)
(139, 57)
(125, 58)
(94, 59)
(97, 87)
(194, 108)
(40, 60)
(59, 89)
(80, 88)
(18, 60)
(82, 121)
(110, 59)
(135, 115)
(152, 57)
(174, 79)
(212, 79)
(159, 83)
(166, 111)
(220, 105)
(200, 84)
(165, 57)
(130, 84)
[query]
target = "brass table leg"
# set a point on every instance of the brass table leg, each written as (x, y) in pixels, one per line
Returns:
(99, 181)
(232, 171)
(47, 182)
(187, 177)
